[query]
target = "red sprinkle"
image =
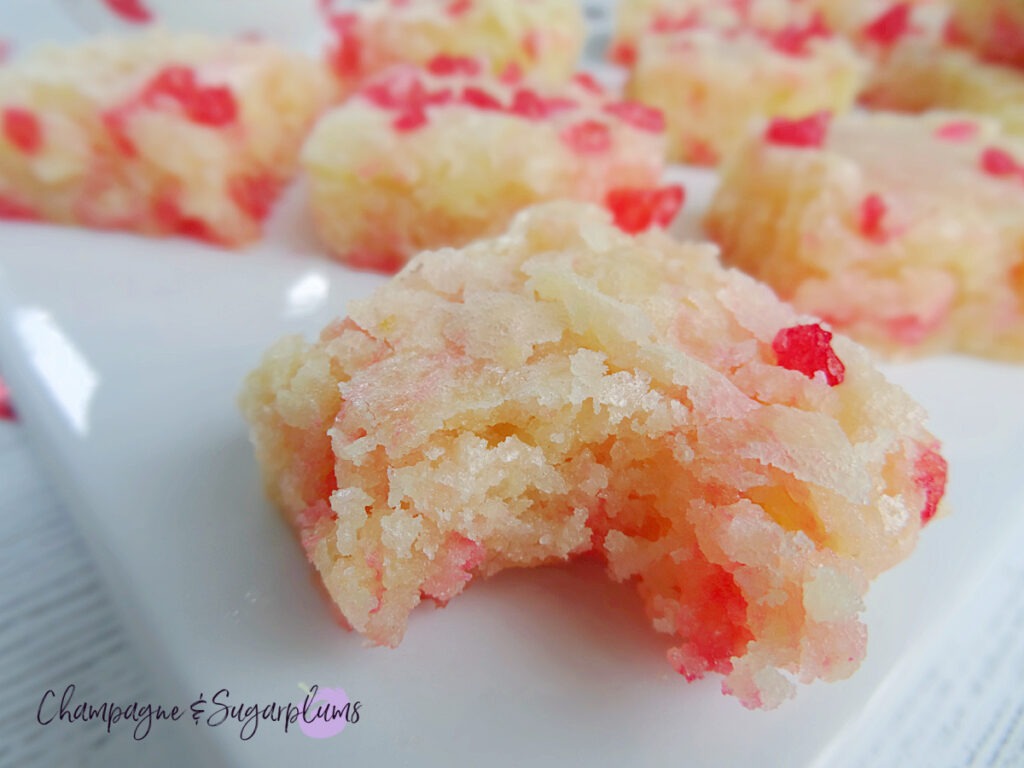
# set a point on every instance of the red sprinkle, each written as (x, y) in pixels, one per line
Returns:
(930, 475)
(405, 92)
(511, 74)
(667, 22)
(530, 104)
(212, 105)
(169, 216)
(623, 54)
(635, 210)
(22, 129)
(957, 130)
(114, 121)
(346, 54)
(638, 115)
(808, 131)
(873, 211)
(12, 210)
(458, 7)
(132, 11)
(444, 65)
(254, 194)
(378, 261)
(808, 349)
(587, 137)
(410, 120)
(998, 162)
(890, 26)
(6, 408)
(793, 40)
(587, 81)
(479, 98)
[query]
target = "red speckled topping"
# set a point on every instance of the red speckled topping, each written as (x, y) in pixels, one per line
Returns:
(586, 81)
(808, 131)
(636, 210)
(443, 65)
(12, 210)
(998, 162)
(588, 137)
(212, 105)
(529, 104)
(930, 474)
(957, 130)
(481, 99)
(808, 349)
(133, 11)
(458, 7)
(346, 53)
(22, 129)
(794, 39)
(873, 211)
(254, 194)
(889, 27)
(638, 115)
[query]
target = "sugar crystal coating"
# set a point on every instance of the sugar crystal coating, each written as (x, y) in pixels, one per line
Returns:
(86, 131)
(566, 389)
(903, 231)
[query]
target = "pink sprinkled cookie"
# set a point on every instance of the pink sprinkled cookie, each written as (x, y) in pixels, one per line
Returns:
(85, 134)
(566, 389)
(540, 37)
(635, 18)
(711, 76)
(903, 231)
(432, 157)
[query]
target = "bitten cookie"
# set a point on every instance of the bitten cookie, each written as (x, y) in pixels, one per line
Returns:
(566, 388)
(86, 130)
(904, 231)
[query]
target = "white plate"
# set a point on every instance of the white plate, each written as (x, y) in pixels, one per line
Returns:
(125, 355)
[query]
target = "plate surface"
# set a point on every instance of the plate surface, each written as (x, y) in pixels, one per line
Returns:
(125, 356)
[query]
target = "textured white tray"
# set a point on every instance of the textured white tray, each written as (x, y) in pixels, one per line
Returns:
(125, 355)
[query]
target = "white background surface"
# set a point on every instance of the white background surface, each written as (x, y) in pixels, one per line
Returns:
(958, 703)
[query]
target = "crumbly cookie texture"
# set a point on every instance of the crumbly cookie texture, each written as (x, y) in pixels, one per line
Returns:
(438, 156)
(86, 132)
(711, 81)
(541, 37)
(904, 231)
(566, 388)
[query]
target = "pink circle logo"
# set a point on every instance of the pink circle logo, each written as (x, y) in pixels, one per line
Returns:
(325, 712)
